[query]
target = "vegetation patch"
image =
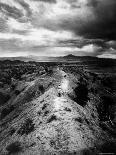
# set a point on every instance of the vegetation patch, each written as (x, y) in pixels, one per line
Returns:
(14, 148)
(26, 128)
(12, 131)
(4, 98)
(59, 94)
(44, 107)
(46, 113)
(52, 118)
(39, 112)
(6, 111)
(67, 109)
(41, 88)
(17, 92)
(79, 119)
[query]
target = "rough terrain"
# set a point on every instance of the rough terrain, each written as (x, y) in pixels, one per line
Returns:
(59, 113)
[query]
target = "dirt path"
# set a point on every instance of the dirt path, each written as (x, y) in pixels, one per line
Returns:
(64, 85)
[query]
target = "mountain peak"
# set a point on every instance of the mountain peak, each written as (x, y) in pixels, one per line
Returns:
(70, 56)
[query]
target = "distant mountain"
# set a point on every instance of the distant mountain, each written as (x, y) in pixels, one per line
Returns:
(69, 57)
(72, 57)
(26, 59)
(31, 58)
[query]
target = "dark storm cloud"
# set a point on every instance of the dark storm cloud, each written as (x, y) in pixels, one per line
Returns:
(3, 25)
(31, 24)
(47, 1)
(25, 6)
(93, 3)
(10, 11)
(91, 19)
(104, 24)
(97, 21)
(80, 43)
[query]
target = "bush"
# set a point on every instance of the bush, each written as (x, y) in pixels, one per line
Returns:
(41, 88)
(12, 131)
(14, 148)
(4, 98)
(27, 127)
(6, 111)
(52, 118)
(17, 92)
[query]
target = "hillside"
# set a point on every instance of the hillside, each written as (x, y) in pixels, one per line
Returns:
(56, 108)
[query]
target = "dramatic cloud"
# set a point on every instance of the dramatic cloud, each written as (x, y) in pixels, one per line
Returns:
(10, 11)
(111, 53)
(47, 1)
(90, 18)
(81, 27)
(103, 26)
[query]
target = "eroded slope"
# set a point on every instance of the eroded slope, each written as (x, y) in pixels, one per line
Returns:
(58, 113)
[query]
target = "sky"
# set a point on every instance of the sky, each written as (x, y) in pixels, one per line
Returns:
(58, 28)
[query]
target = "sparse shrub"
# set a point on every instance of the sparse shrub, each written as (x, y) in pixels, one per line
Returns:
(7, 111)
(17, 92)
(52, 118)
(67, 109)
(44, 107)
(79, 119)
(39, 112)
(87, 121)
(26, 128)
(46, 113)
(4, 98)
(59, 94)
(50, 72)
(14, 148)
(12, 131)
(93, 115)
(41, 88)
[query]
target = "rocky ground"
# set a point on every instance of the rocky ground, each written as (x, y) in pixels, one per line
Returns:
(65, 112)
